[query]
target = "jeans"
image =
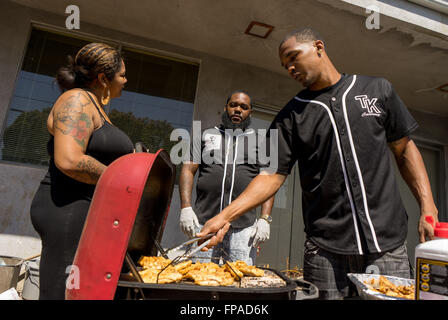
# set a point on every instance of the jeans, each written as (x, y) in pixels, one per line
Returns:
(328, 271)
(237, 245)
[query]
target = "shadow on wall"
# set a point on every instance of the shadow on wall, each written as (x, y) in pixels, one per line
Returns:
(18, 184)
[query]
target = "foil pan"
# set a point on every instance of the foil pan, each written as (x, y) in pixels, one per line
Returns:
(366, 293)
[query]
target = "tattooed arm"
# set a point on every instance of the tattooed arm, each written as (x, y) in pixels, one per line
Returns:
(72, 127)
(412, 169)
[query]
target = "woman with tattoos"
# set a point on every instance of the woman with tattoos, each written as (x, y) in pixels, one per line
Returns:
(83, 143)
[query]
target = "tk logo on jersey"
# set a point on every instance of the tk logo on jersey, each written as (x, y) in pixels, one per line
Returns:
(369, 105)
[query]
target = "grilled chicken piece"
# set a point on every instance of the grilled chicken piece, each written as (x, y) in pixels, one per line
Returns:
(183, 266)
(234, 271)
(247, 270)
(169, 275)
(153, 262)
(203, 278)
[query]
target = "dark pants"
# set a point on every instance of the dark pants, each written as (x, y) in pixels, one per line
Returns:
(59, 224)
(328, 271)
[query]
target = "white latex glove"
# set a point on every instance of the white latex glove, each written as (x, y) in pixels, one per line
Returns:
(188, 221)
(261, 232)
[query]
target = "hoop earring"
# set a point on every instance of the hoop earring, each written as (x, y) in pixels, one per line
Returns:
(105, 100)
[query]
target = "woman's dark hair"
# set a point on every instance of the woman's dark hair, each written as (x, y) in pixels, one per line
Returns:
(91, 60)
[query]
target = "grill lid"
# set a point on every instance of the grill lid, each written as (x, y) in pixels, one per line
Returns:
(128, 213)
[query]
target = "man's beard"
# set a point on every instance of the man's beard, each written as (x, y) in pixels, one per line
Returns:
(228, 124)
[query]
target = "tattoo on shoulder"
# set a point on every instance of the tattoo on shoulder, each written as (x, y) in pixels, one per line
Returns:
(73, 120)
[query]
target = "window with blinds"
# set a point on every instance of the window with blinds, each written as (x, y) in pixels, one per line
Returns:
(158, 97)
(25, 135)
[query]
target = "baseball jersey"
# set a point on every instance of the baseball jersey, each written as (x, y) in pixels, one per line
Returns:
(339, 136)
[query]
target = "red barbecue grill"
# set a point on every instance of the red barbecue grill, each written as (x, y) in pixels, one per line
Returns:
(126, 220)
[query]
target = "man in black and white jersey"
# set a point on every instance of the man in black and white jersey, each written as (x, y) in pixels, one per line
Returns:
(226, 160)
(340, 129)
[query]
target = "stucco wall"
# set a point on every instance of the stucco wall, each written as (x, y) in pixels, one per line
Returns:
(17, 187)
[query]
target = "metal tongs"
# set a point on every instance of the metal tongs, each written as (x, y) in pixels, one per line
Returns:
(187, 254)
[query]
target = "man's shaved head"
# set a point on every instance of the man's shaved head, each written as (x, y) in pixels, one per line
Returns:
(303, 35)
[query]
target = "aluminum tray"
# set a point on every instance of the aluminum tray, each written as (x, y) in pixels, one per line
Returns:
(368, 294)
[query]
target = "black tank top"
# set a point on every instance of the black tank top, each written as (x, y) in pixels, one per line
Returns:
(106, 144)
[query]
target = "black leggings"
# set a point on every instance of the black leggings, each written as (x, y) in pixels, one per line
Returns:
(59, 220)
